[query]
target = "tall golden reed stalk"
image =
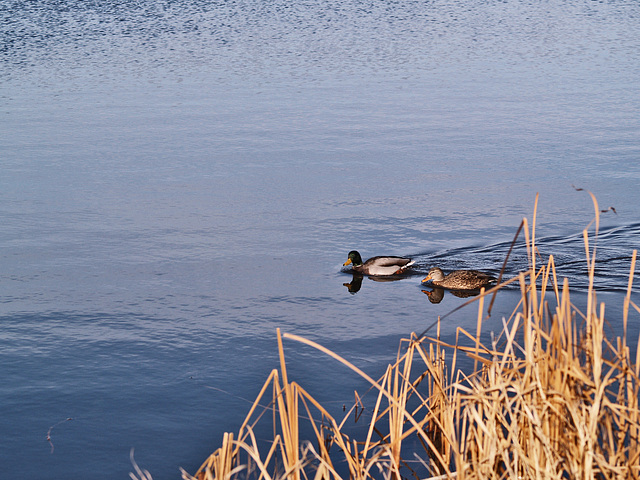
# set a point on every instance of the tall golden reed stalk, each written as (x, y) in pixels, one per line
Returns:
(550, 398)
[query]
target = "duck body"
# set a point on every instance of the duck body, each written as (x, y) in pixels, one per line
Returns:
(378, 265)
(460, 279)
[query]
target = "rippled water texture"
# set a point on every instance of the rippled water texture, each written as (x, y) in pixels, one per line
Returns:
(181, 178)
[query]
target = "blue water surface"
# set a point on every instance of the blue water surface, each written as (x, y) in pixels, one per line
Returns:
(182, 178)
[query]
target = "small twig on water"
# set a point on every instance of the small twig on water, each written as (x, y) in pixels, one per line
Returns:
(51, 428)
(601, 211)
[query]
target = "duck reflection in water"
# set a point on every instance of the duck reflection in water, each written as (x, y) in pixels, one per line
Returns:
(356, 282)
(437, 294)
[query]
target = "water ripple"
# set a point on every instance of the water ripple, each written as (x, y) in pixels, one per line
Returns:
(614, 250)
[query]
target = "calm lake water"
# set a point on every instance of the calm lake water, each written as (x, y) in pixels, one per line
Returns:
(181, 178)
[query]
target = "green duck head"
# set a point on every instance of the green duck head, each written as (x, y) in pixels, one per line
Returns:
(354, 259)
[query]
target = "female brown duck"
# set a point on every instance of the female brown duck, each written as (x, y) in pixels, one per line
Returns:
(460, 279)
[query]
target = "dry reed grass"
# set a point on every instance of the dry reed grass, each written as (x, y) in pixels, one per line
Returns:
(551, 397)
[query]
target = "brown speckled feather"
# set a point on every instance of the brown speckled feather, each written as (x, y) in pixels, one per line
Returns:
(460, 279)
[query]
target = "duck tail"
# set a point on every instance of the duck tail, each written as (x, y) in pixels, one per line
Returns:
(404, 267)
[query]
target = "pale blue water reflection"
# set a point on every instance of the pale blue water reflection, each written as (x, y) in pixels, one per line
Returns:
(180, 179)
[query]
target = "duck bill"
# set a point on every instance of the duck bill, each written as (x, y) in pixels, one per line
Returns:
(348, 262)
(427, 278)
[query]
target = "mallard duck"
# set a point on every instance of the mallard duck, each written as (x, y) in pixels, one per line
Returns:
(378, 265)
(460, 279)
